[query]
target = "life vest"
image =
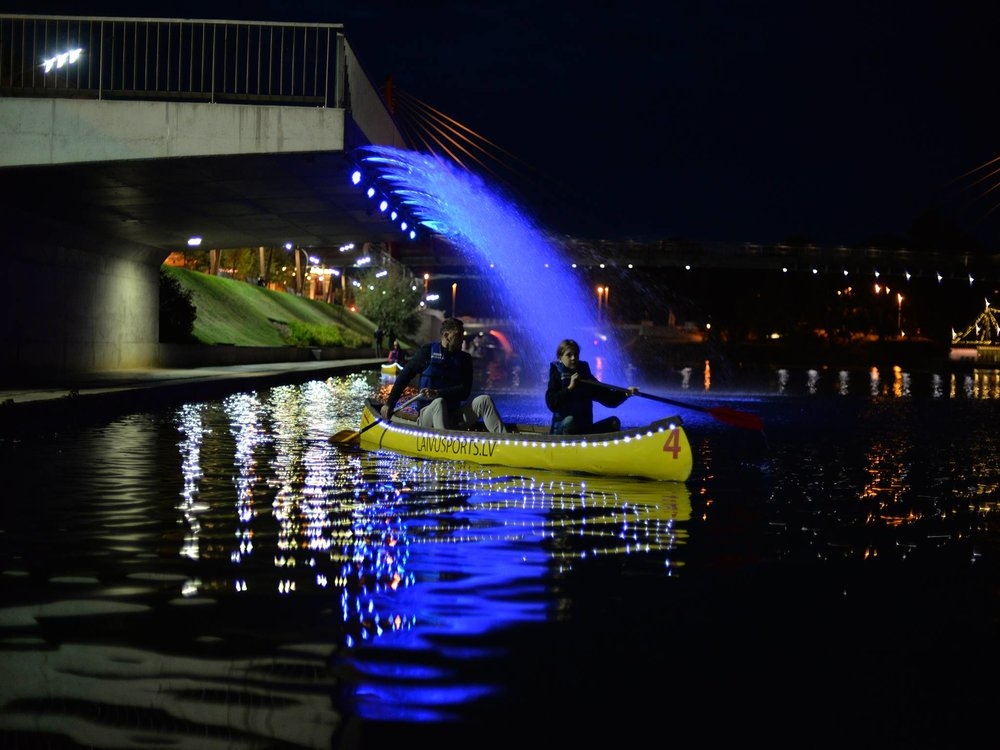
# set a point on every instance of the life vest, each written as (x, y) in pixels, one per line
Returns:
(578, 403)
(444, 371)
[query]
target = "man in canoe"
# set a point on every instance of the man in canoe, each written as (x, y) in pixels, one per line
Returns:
(446, 374)
(572, 390)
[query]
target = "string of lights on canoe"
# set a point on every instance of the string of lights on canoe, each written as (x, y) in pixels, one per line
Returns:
(534, 441)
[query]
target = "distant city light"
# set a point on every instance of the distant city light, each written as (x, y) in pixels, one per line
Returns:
(194, 241)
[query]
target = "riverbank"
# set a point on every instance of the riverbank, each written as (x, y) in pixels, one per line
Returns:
(86, 396)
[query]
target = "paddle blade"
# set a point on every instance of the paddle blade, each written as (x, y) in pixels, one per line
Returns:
(743, 419)
(346, 437)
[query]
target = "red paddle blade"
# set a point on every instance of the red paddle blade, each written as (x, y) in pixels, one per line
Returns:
(743, 419)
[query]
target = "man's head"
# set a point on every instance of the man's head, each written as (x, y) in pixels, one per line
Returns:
(452, 334)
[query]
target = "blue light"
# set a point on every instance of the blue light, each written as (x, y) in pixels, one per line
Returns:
(486, 226)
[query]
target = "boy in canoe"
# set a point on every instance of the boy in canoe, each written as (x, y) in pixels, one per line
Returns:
(572, 390)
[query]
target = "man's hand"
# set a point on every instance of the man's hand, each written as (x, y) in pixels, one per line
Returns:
(572, 381)
(385, 412)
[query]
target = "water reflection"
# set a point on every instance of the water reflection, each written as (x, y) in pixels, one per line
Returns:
(902, 383)
(352, 523)
(220, 574)
(269, 505)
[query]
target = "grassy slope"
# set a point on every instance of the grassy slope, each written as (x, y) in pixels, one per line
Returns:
(234, 312)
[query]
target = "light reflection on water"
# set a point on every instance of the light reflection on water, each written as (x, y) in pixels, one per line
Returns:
(221, 574)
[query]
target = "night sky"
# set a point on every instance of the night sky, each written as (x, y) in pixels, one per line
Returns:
(715, 121)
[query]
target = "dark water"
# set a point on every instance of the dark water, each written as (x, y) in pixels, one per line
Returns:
(219, 575)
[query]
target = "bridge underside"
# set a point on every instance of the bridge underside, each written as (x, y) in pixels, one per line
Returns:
(100, 193)
(248, 200)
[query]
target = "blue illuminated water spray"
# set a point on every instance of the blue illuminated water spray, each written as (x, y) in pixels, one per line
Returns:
(531, 284)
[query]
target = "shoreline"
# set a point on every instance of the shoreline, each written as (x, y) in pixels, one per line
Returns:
(918, 355)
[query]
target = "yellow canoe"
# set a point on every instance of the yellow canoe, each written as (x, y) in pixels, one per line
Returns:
(659, 450)
(391, 368)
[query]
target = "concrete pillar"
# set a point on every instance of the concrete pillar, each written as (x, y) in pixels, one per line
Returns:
(75, 304)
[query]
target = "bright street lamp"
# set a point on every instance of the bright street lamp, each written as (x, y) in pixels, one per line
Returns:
(454, 291)
(602, 298)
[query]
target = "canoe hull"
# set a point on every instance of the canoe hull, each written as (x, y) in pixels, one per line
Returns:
(659, 451)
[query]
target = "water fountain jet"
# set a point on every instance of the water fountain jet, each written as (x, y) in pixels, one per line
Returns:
(531, 283)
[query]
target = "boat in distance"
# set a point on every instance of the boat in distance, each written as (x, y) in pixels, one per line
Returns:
(659, 450)
(391, 368)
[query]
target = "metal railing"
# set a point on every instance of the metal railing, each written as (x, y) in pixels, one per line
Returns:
(173, 59)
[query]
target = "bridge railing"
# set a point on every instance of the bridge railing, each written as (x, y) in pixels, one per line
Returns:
(173, 59)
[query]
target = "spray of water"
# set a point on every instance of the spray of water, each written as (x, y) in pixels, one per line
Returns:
(531, 284)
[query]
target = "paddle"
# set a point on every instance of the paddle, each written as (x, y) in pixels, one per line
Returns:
(345, 437)
(733, 417)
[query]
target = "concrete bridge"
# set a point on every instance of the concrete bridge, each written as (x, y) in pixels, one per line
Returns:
(158, 130)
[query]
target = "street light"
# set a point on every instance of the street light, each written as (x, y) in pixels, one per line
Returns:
(899, 313)
(602, 297)
(427, 278)
(454, 291)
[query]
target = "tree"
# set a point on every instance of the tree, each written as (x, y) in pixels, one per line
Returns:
(177, 311)
(390, 297)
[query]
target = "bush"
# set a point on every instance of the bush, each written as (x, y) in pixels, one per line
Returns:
(310, 334)
(177, 312)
